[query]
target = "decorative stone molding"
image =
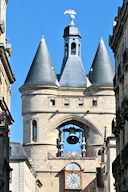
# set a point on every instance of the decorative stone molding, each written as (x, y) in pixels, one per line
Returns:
(2, 26)
(118, 29)
(125, 108)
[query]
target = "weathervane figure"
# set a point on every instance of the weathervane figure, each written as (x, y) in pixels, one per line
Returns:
(72, 14)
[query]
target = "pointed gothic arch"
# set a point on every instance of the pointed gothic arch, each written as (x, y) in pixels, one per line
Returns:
(87, 135)
(76, 119)
(34, 130)
(73, 48)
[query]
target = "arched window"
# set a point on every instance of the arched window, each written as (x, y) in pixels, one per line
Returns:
(73, 49)
(66, 49)
(79, 50)
(34, 130)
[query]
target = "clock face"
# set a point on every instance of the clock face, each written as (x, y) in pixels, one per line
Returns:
(73, 181)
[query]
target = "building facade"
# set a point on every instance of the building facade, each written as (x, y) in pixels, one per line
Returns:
(119, 45)
(105, 179)
(6, 79)
(23, 175)
(65, 115)
(110, 153)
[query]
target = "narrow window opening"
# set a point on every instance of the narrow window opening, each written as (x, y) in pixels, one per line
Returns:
(94, 102)
(66, 102)
(34, 130)
(79, 49)
(66, 49)
(52, 102)
(81, 104)
(10, 151)
(73, 48)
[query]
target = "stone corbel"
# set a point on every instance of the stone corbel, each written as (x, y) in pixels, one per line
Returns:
(2, 26)
(9, 49)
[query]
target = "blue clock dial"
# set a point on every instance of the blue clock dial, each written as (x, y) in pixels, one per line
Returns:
(73, 180)
(72, 166)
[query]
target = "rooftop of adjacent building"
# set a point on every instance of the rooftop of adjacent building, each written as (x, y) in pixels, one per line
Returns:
(17, 151)
(18, 154)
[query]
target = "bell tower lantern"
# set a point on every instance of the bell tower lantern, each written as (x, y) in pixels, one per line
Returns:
(72, 71)
(71, 36)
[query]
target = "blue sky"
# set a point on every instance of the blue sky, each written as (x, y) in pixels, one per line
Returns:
(28, 20)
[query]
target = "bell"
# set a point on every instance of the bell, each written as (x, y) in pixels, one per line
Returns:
(72, 138)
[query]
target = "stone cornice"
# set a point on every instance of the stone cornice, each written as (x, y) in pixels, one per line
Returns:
(4, 108)
(118, 29)
(6, 64)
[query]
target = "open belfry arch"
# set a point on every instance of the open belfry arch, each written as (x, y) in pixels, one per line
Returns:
(65, 115)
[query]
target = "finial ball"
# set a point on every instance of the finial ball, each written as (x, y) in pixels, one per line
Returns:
(72, 17)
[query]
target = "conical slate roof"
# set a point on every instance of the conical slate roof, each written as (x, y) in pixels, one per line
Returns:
(41, 71)
(101, 72)
(73, 74)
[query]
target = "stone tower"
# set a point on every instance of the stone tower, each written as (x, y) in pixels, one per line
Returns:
(64, 115)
